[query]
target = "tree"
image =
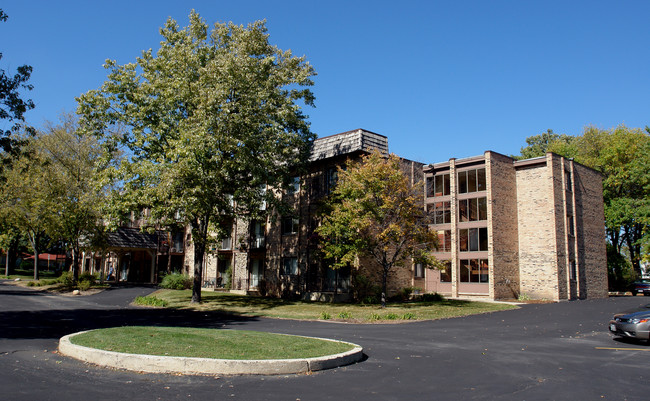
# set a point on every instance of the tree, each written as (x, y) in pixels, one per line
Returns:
(25, 198)
(375, 212)
(12, 107)
(622, 155)
(72, 165)
(210, 121)
(538, 145)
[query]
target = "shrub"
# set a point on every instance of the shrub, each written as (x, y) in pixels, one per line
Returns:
(67, 279)
(374, 316)
(325, 316)
(345, 315)
(402, 295)
(391, 316)
(363, 290)
(32, 283)
(176, 281)
(150, 301)
(431, 297)
(91, 278)
(409, 316)
(84, 285)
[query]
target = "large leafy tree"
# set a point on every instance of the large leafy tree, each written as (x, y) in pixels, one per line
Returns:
(74, 186)
(25, 197)
(12, 106)
(210, 120)
(622, 155)
(376, 212)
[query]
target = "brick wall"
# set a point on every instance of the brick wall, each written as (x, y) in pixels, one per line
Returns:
(503, 243)
(537, 235)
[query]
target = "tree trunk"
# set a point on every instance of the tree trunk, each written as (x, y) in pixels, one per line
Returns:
(75, 263)
(199, 237)
(384, 280)
(7, 262)
(35, 263)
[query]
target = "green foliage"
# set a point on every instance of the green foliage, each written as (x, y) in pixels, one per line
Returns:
(391, 316)
(523, 297)
(409, 316)
(548, 141)
(345, 315)
(431, 297)
(176, 281)
(150, 300)
(363, 290)
(619, 270)
(67, 279)
(403, 295)
(212, 112)
(374, 316)
(622, 155)
(325, 315)
(12, 106)
(374, 211)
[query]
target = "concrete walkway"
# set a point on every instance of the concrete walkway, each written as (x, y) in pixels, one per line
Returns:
(207, 366)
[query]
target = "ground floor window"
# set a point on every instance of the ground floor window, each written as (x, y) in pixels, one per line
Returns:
(474, 271)
(289, 266)
(445, 272)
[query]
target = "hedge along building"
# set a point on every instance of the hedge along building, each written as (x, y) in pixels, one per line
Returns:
(511, 228)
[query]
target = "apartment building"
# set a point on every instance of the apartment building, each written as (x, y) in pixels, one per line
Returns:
(507, 228)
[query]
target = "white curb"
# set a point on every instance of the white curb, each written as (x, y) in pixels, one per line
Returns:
(207, 366)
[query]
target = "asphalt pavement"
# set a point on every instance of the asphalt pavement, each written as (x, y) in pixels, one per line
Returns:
(559, 351)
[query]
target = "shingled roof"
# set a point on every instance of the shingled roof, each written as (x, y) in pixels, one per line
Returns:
(348, 142)
(132, 238)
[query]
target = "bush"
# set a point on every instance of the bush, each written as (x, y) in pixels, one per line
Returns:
(374, 316)
(431, 297)
(176, 281)
(150, 301)
(325, 316)
(345, 315)
(363, 290)
(84, 285)
(409, 316)
(91, 278)
(67, 279)
(391, 316)
(402, 295)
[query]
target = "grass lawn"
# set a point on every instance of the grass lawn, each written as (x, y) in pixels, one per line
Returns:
(28, 273)
(271, 307)
(207, 343)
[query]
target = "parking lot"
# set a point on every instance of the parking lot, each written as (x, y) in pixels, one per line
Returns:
(538, 352)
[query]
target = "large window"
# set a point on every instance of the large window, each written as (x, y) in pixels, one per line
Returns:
(471, 181)
(440, 212)
(438, 185)
(418, 270)
(289, 225)
(473, 239)
(444, 240)
(289, 266)
(474, 271)
(474, 209)
(294, 185)
(445, 272)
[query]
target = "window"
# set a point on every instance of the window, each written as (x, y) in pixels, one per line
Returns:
(444, 240)
(331, 178)
(289, 225)
(472, 209)
(474, 271)
(445, 272)
(572, 271)
(567, 180)
(438, 185)
(257, 235)
(289, 266)
(570, 224)
(294, 186)
(419, 270)
(473, 239)
(440, 212)
(471, 181)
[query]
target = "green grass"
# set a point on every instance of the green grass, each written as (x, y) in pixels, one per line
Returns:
(271, 307)
(207, 343)
(150, 301)
(28, 273)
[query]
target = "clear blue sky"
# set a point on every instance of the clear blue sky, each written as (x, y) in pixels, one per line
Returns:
(441, 79)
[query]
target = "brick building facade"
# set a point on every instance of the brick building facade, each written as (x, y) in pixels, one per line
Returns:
(507, 228)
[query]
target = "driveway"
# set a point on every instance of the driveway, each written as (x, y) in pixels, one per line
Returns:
(539, 352)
